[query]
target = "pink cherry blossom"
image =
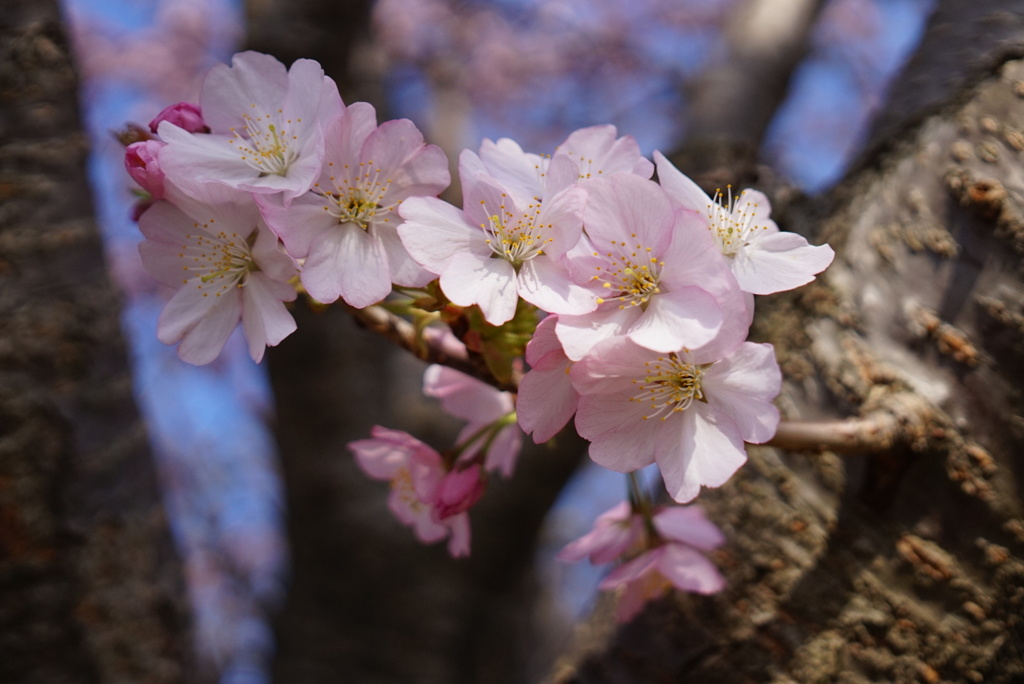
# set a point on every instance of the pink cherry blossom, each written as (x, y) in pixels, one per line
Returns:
(345, 228)
(546, 399)
(615, 532)
(485, 408)
(669, 555)
(417, 474)
(653, 270)
(266, 126)
(598, 153)
(226, 266)
(763, 258)
(184, 115)
(521, 216)
(688, 412)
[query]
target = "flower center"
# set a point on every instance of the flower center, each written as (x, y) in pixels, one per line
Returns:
(631, 277)
(216, 262)
(358, 195)
(670, 385)
(264, 143)
(516, 236)
(732, 223)
(405, 490)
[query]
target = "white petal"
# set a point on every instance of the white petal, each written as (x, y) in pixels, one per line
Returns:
(698, 447)
(743, 386)
(489, 283)
(779, 262)
(688, 317)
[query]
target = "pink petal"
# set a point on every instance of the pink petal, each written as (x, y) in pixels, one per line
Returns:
(688, 317)
(489, 283)
(689, 570)
(435, 231)
(621, 440)
(698, 447)
(546, 284)
(630, 209)
(203, 342)
(546, 402)
(265, 319)
(779, 262)
(349, 263)
(742, 386)
(689, 525)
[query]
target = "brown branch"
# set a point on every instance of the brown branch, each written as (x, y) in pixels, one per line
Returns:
(903, 420)
(432, 347)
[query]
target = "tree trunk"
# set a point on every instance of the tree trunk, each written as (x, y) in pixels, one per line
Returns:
(90, 588)
(904, 565)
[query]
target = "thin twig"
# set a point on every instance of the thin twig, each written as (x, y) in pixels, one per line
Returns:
(904, 419)
(433, 346)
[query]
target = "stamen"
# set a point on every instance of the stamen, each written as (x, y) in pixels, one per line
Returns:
(671, 385)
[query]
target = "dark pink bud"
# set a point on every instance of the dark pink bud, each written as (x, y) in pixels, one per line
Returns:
(458, 491)
(141, 161)
(184, 115)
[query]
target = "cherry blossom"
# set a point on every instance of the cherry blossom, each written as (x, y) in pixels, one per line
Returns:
(689, 412)
(521, 217)
(763, 258)
(266, 126)
(225, 264)
(653, 270)
(417, 474)
(345, 228)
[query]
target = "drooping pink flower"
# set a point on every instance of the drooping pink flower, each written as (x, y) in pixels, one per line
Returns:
(266, 126)
(226, 266)
(417, 474)
(615, 532)
(672, 557)
(521, 215)
(653, 270)
(485, 408)
(184, 115)
(598, 153)
(546, 399)
(345, 228)
(689, 412)
(141, 160)
(763, 258)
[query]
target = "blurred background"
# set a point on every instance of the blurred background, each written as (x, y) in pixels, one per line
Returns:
(295, 570)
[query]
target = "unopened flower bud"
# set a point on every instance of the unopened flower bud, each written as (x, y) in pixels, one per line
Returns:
(140, 159)
(184, 115)
(458, 491)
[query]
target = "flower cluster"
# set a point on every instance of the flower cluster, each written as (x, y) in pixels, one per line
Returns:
(268, 178)
(629, 299)
(665, 548)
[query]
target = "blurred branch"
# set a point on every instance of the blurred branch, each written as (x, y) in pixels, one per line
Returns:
(735, 99)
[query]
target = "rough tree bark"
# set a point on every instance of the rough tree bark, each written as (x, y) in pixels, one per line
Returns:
(90, 587)
(905, 565)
